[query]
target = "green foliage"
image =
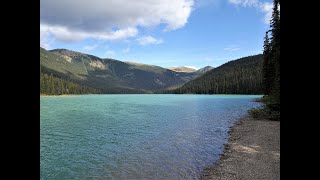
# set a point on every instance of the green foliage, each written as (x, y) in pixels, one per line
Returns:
(50, 85)
(271, 70)
(270, 109)
(268, 75)
(265, 113)
(242, 76)
(275, 51)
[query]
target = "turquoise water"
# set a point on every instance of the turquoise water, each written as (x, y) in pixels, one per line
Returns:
(135, 136)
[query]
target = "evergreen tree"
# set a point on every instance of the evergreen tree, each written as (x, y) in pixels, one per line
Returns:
(52, 85)
(266, 65)
(271, 65)
(275, 53)
(271, 69)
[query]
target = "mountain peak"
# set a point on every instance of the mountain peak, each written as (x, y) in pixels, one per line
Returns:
(66, 52)
(181, 69)
(205, 69)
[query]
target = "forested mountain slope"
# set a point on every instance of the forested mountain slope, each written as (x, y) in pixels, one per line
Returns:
(109, 75)
(241, 76)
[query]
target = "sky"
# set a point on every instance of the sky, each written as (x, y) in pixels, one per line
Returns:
(193, 33)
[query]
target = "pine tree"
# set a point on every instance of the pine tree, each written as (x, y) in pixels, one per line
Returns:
(52, 85)
(275, 53)
(266, 65)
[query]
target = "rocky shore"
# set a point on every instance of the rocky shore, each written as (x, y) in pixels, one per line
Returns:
(252, 152)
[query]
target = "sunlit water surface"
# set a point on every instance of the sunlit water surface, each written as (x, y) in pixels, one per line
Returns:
(135, 136)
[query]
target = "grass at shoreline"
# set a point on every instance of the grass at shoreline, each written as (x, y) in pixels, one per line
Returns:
(269, 110)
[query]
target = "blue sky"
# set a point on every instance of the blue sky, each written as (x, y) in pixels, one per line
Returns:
(166, 33)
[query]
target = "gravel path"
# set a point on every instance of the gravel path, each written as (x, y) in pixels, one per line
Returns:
(253, 152)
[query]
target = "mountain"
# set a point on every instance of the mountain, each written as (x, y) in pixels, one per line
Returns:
(241, 76)
(205, 69)
(191, 70)
(182, 69)
(109, 75)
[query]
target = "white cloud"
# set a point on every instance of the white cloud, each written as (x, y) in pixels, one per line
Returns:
(90, 47)
(45, 38)
(75, 20)
(118, 34)
(109, 52)
(146, 40)
(62, 33)
(245, 3)
(126, 50)
(265, 7)
(65, 35)
(231, 49)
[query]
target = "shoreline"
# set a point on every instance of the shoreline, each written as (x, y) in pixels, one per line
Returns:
(58, 95)
(252, 152)
(65, 95)
(257, 100)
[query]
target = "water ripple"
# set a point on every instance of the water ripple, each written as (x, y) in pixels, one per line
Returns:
(135, 136)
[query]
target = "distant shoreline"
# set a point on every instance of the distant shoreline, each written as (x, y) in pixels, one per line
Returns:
(252, 152)
(148, 93)
(64, 95)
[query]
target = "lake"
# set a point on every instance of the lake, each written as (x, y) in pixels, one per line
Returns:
(135, 136)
